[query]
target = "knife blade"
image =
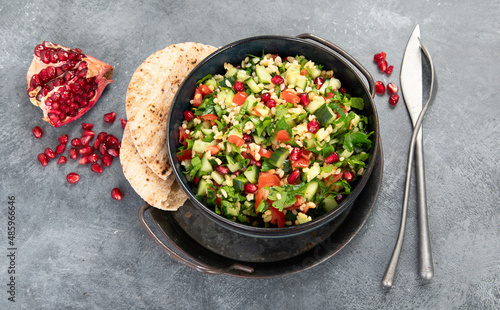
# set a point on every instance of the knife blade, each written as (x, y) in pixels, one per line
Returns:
(411, 87)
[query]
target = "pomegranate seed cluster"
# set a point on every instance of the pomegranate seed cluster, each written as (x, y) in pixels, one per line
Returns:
(380, 87)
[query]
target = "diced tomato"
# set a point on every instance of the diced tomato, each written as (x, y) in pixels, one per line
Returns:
(205, 90)
(335, 178)
(330, 95)
(183, 136)
(210, 117)
(198, 97)
(278, 217)
(290, 96)
(297, 203)
(213, 149)
(282, 136)
(234, 139)
(240, 98)
(265, 153)
(259, 196)
(186, 154)
(305, 154)
(304, 72)
(268, 179)
(301, 163)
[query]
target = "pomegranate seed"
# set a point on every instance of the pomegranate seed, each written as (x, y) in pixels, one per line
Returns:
(63, 139)
(86, 150)
(339, 197)
(116, 194)
(114, 152)
(95, 167)
(295, 154)
(73, 153)
(119, 145)
(73, 178)
(87, 126)
(84, 160)
(313, 126)
(247, 138)
(389, 70)
(382, 64)
(106, 160)
(109, 117)
(392, 88)
(38, 49)
(222, 170)
(87, 132)
(86, 140)
(124, 123)
(96, 144)
(102, 136)
(319, 81)
(111, 140)
(393, 99)
(188, 116)
(62, 160)
(250, 188)
(293, 177)
(245, 155)
(37, 132)
(76, 142)
(332, 158)
(304, 99)
(239, 86)
(379, 87)
(277, 80)
(254, 162)
(348, 176)
(93, 157)
(271, 103)
(42, 158)
(342, 90)
(49, 153)
(60, 149)
(265, 96)
(103, 149)
(379, 56)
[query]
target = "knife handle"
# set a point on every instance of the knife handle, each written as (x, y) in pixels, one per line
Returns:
(426, 268)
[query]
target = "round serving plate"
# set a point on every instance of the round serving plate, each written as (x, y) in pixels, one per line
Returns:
(199, 250)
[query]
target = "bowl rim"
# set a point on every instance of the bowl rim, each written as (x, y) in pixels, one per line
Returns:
(287, 231)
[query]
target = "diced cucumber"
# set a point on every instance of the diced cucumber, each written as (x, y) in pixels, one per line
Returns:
(250, 102)
(206, 166)
(229, 209)
(217, 177)
(346, 154)
(231, 72)
(317, 102)
(252, 174)
(242, 75)
(261, 110)
(309, 143)
(311, 190)
(235, 132)
(313, 172)
(324, 86)
(302, 218)
(301, 82)
(325, 115)
(291, 74)
(226, 95)
(253, 86)
(321, 134)
(202, 188)
(287, 166)
(238, 185)
(200, 146)
(206, 125)
(315, 72)
(291, 122)
(334, 83)
(259, 139)
(264, 76)
(330, 203)
(232, 165)
(212, 82)
(278, 157)
(206, 131)
(247, 205)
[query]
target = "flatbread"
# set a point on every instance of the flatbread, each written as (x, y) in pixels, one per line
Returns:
(149, 97)
(159, 193)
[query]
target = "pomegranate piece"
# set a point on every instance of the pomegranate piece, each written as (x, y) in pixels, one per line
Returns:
(295, 154)
(392, 88)
(109, 117)
(265, 96)
(250, 188)
(60, 148)
(62, 160)
(332, 158)
(239, 86)
(339, 197)
(86, 140)
(188, 116)
(73, 177)
(107, 160)
(348, 176)
(379, 87)
(76, 142)
(293, 177)
(63, 139)
(124, 123)
(111, 140)
(93, 157)
(65, 83)
(319, 81)
(342, 90)
(271, 103)
(247, 138)
(37, 132)
(86, 126)
(103, 149)
(49, 153)
(96, 144)
(393, 99)
(277, 80)
(114, 152)
(102, 136)
(313, 126)
(42, 158)
(379, 56)
(86, 150)
(95, 167)
(88, 133)
(304, 99)
(382, 64)
(116, 194)
(84, 160)
(73, 153)
(389, 69)
(222, 170)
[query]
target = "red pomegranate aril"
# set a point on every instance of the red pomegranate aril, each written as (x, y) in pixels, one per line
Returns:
(271, 103)
(339, 197)
(119, 145)
(382, 64)
(304, 99)
(38, 49)
(250, 188)
(84, 160)
(86, 140)
(60, 149)
(107, 160)
(319, 81)
(63, 139)
(124, 122)
(102, 136)
(109, 117)
(293, 177)
(332, 158)
(295, 154)
(342, 90)
(87, 126)
(239, 86)
(379, 56)
(103, 149)
(96, 144)
(73, 153)
(93, 157)
(49, 153)
(277, 80)
(313, 126)
(95, 167)
(389, 70)
(116, 194)
(73, 177)
(37, 132)
(265, 96)
(348, 176)
(392, 88)
(254, 162)
(379, 87)
(62, 160)
(42, 158)
(114, 152)
(111, 140)
(247, 138)
(86, 150)
(76, 142)
(222, 169)
(393, 99)
(87, 132)
(188, 116)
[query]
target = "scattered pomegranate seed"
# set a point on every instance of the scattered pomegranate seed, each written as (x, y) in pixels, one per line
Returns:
(247, 138)
(382, 64)
(277, 80)
(332, 158)
(87, 126)
(111, 140)
(250, 188)
(389, 69)
(49, 153)
(102, 136)
(265, 96)
(342, 90)
(63, 139)
(271, 103)
(293, 177)
(313, 126)
(37, 132)
(109, 117)
(84, 160)
(379, 87)
(295, 154)
(348, 176)
(124, 123)
(116, 194)
(103, 149)
(393, 99)
(73, 178)
(76, 142)
(62, 160)
(114, 152)
(188, 116)
(222, 170)
(93, 157)
(95, 167)
(319, 81)
(42, 158)
(86, 150)
(60, 149)
(96, 144)
(86, 140)
(239, 86)
(119, 145)
(379, 56)
(87, 132)
(106, 160)
(73, 153)
(254, 162)
(304, 99)
(339, 197)
(392, 88)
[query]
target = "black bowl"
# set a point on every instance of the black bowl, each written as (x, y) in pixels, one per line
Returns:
(346, 69)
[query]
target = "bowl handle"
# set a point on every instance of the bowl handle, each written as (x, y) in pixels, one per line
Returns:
(344, 54)
(182, 256)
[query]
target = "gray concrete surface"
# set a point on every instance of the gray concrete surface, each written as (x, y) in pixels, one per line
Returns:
(79, 249)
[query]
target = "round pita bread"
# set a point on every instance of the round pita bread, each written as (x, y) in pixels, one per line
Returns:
(159, 193)
(149, 97)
